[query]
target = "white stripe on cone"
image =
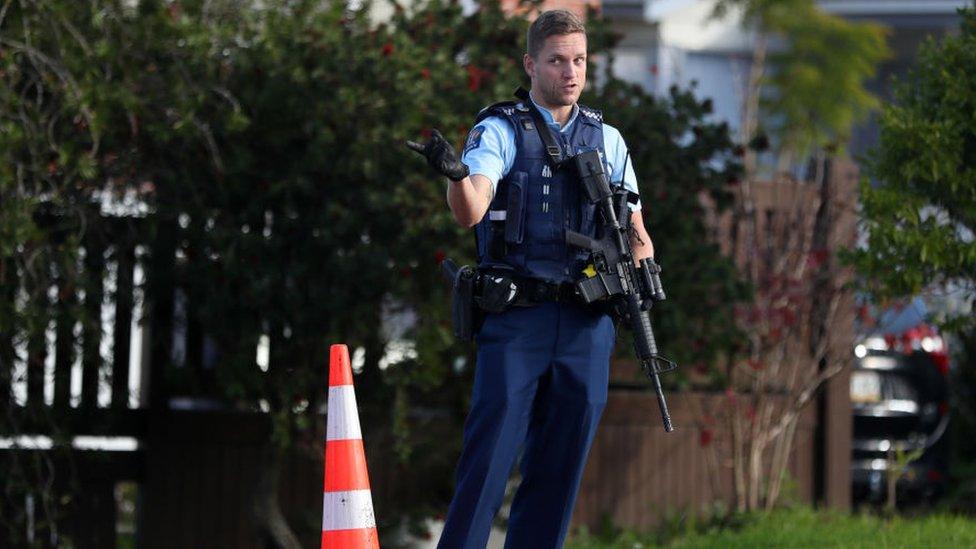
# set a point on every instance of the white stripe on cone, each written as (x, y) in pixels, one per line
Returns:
(347, 510)
(343, 417)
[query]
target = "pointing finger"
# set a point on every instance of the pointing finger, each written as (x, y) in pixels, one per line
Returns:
(416, 147)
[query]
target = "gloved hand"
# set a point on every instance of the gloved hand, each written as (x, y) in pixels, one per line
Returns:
(441, 156)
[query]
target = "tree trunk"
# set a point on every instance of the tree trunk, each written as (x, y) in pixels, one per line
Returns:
(781, 454)
(738, 463)
(750, 107)
(266, 507)
(891, 476)
(756, 448)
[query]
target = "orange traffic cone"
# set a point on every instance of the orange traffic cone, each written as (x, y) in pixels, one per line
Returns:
(347, 506)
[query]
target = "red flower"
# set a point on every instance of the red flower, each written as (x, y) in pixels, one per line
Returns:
(864, 314)
(789, 317)
(816, 258)
(425, 73)
(705, 437)
(388, 49)
(475, 77)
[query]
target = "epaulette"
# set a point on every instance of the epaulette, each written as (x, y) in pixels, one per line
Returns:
(592, 114)
(508, 108)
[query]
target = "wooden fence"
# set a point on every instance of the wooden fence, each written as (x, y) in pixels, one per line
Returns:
(200, 469)
(638, 475)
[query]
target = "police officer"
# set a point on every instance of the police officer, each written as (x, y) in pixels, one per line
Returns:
(542, 371)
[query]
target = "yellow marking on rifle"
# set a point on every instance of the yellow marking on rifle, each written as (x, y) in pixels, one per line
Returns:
(590, 271)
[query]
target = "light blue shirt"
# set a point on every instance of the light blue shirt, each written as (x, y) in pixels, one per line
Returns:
(492, 154)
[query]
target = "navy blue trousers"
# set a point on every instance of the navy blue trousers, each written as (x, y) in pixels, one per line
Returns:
(540, 387)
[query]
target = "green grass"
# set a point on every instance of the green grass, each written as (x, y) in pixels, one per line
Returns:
(803, 527)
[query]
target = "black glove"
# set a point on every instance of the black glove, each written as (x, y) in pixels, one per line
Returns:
(441, 156)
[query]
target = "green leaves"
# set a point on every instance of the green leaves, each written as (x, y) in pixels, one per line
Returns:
(921, 216)
(815, 86)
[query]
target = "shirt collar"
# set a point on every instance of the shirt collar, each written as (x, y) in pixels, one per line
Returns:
(547, 116)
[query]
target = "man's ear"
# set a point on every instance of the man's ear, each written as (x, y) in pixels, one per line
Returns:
(529, 65)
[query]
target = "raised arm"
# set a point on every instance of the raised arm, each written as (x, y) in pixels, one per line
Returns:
(469, 199)
(489, 152)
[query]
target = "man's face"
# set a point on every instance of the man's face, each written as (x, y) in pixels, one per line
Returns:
(558, 72)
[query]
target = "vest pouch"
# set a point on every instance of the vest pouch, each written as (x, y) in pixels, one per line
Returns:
(516, 207)
(587, 218)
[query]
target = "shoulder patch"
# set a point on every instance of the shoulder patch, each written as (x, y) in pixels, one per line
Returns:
(474, 139)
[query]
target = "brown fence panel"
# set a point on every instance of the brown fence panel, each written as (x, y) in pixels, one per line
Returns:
(201, 470)
(64, 343)
(8, 282)
(125, 257)
(638, 476)
(36, 355)
(92, 326)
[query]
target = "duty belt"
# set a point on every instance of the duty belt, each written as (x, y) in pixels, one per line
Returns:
(533, 291)
(498, 290)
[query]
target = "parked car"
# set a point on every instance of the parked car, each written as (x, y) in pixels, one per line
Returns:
(899, 400)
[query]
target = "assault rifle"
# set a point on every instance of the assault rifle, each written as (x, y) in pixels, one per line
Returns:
(613, 277)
